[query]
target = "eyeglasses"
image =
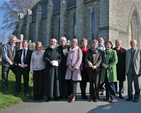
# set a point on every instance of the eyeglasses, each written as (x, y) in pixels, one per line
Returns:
(53, 41)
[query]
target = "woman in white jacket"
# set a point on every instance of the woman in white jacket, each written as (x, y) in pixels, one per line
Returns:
(37, 66)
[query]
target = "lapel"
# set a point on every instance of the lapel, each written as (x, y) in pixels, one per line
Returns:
(27, 52)
(20, 55)
(136, 50)
(97, 56)
(129, 54)
(121, 50)
(109, 53)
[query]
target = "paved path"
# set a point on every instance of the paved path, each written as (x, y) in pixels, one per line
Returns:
(80, 106)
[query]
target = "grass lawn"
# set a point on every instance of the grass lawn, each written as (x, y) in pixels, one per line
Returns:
(10, 99)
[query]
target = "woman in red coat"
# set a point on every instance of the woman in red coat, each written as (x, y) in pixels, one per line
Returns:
(84, 74)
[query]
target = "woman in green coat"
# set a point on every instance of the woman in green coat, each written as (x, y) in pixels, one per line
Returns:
(108, 73)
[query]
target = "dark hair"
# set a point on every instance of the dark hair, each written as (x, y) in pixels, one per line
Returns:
(38, 43)
(109, 43)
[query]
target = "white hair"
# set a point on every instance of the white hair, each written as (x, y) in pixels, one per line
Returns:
(63, 38)
(11, 37)
(75, 40)
(101, 38)
(133, 40)
(118, 40)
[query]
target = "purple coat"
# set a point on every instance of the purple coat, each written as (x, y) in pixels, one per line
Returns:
(75, 63)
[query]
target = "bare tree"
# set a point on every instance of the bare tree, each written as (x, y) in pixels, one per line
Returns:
(2, 37)
(12, 9)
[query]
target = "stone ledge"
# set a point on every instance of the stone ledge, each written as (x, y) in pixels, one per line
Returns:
(114, 29)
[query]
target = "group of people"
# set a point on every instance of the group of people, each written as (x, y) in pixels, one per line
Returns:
(57, 70)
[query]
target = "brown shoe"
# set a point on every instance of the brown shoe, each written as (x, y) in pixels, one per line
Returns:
(96, 100)
(113, 101)
(91, 100)
(72, 99)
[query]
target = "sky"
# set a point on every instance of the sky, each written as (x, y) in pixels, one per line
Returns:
(1, 22)
(1, 13)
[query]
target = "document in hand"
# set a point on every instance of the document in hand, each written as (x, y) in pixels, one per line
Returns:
(55, 63)
(65, 50)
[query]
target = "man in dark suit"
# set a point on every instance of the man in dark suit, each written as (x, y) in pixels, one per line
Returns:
(22, 60)
(121, 53)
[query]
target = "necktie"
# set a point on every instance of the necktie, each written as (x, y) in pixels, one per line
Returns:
(24, 55)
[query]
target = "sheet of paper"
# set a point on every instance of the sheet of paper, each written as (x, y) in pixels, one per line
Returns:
(55, 63)
(65, 50)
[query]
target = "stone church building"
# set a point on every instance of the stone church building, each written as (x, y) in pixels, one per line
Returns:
(110, 19)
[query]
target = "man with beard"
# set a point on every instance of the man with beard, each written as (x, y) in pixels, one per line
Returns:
(52, 57)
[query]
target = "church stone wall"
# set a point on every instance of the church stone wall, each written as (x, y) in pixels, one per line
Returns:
(89, 7)
(112, 21)
(42, 30)
(123, 13)
(69, 23)
(56, 26)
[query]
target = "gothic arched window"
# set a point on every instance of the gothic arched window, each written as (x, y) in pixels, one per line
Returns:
(71, 3)
(93, 23)
(58, 29)
(74, 25)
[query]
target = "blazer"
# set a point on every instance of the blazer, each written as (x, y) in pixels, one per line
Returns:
(111, 71)
(121, 64)
(18, 55)
(136, 60)
(75, 63)
(98, 58)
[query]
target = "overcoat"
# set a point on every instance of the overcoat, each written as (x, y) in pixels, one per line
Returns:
(75, 63)
(136, 61)
(111, 71)
(121, 64)
(51, 78)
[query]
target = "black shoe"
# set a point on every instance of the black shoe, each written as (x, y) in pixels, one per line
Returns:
(129, 99)
(56, 98)
(61, 97)
(135, 100)
(17, 94)
(120, 96)
(65, 97)
(5, 92)
(101, 93)
(26, 95)
(84, 97)
(48, 99)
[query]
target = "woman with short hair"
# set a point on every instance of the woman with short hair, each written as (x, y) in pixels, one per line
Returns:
(83, 69)
(93, 59)
(108, 73)
(73, 73)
